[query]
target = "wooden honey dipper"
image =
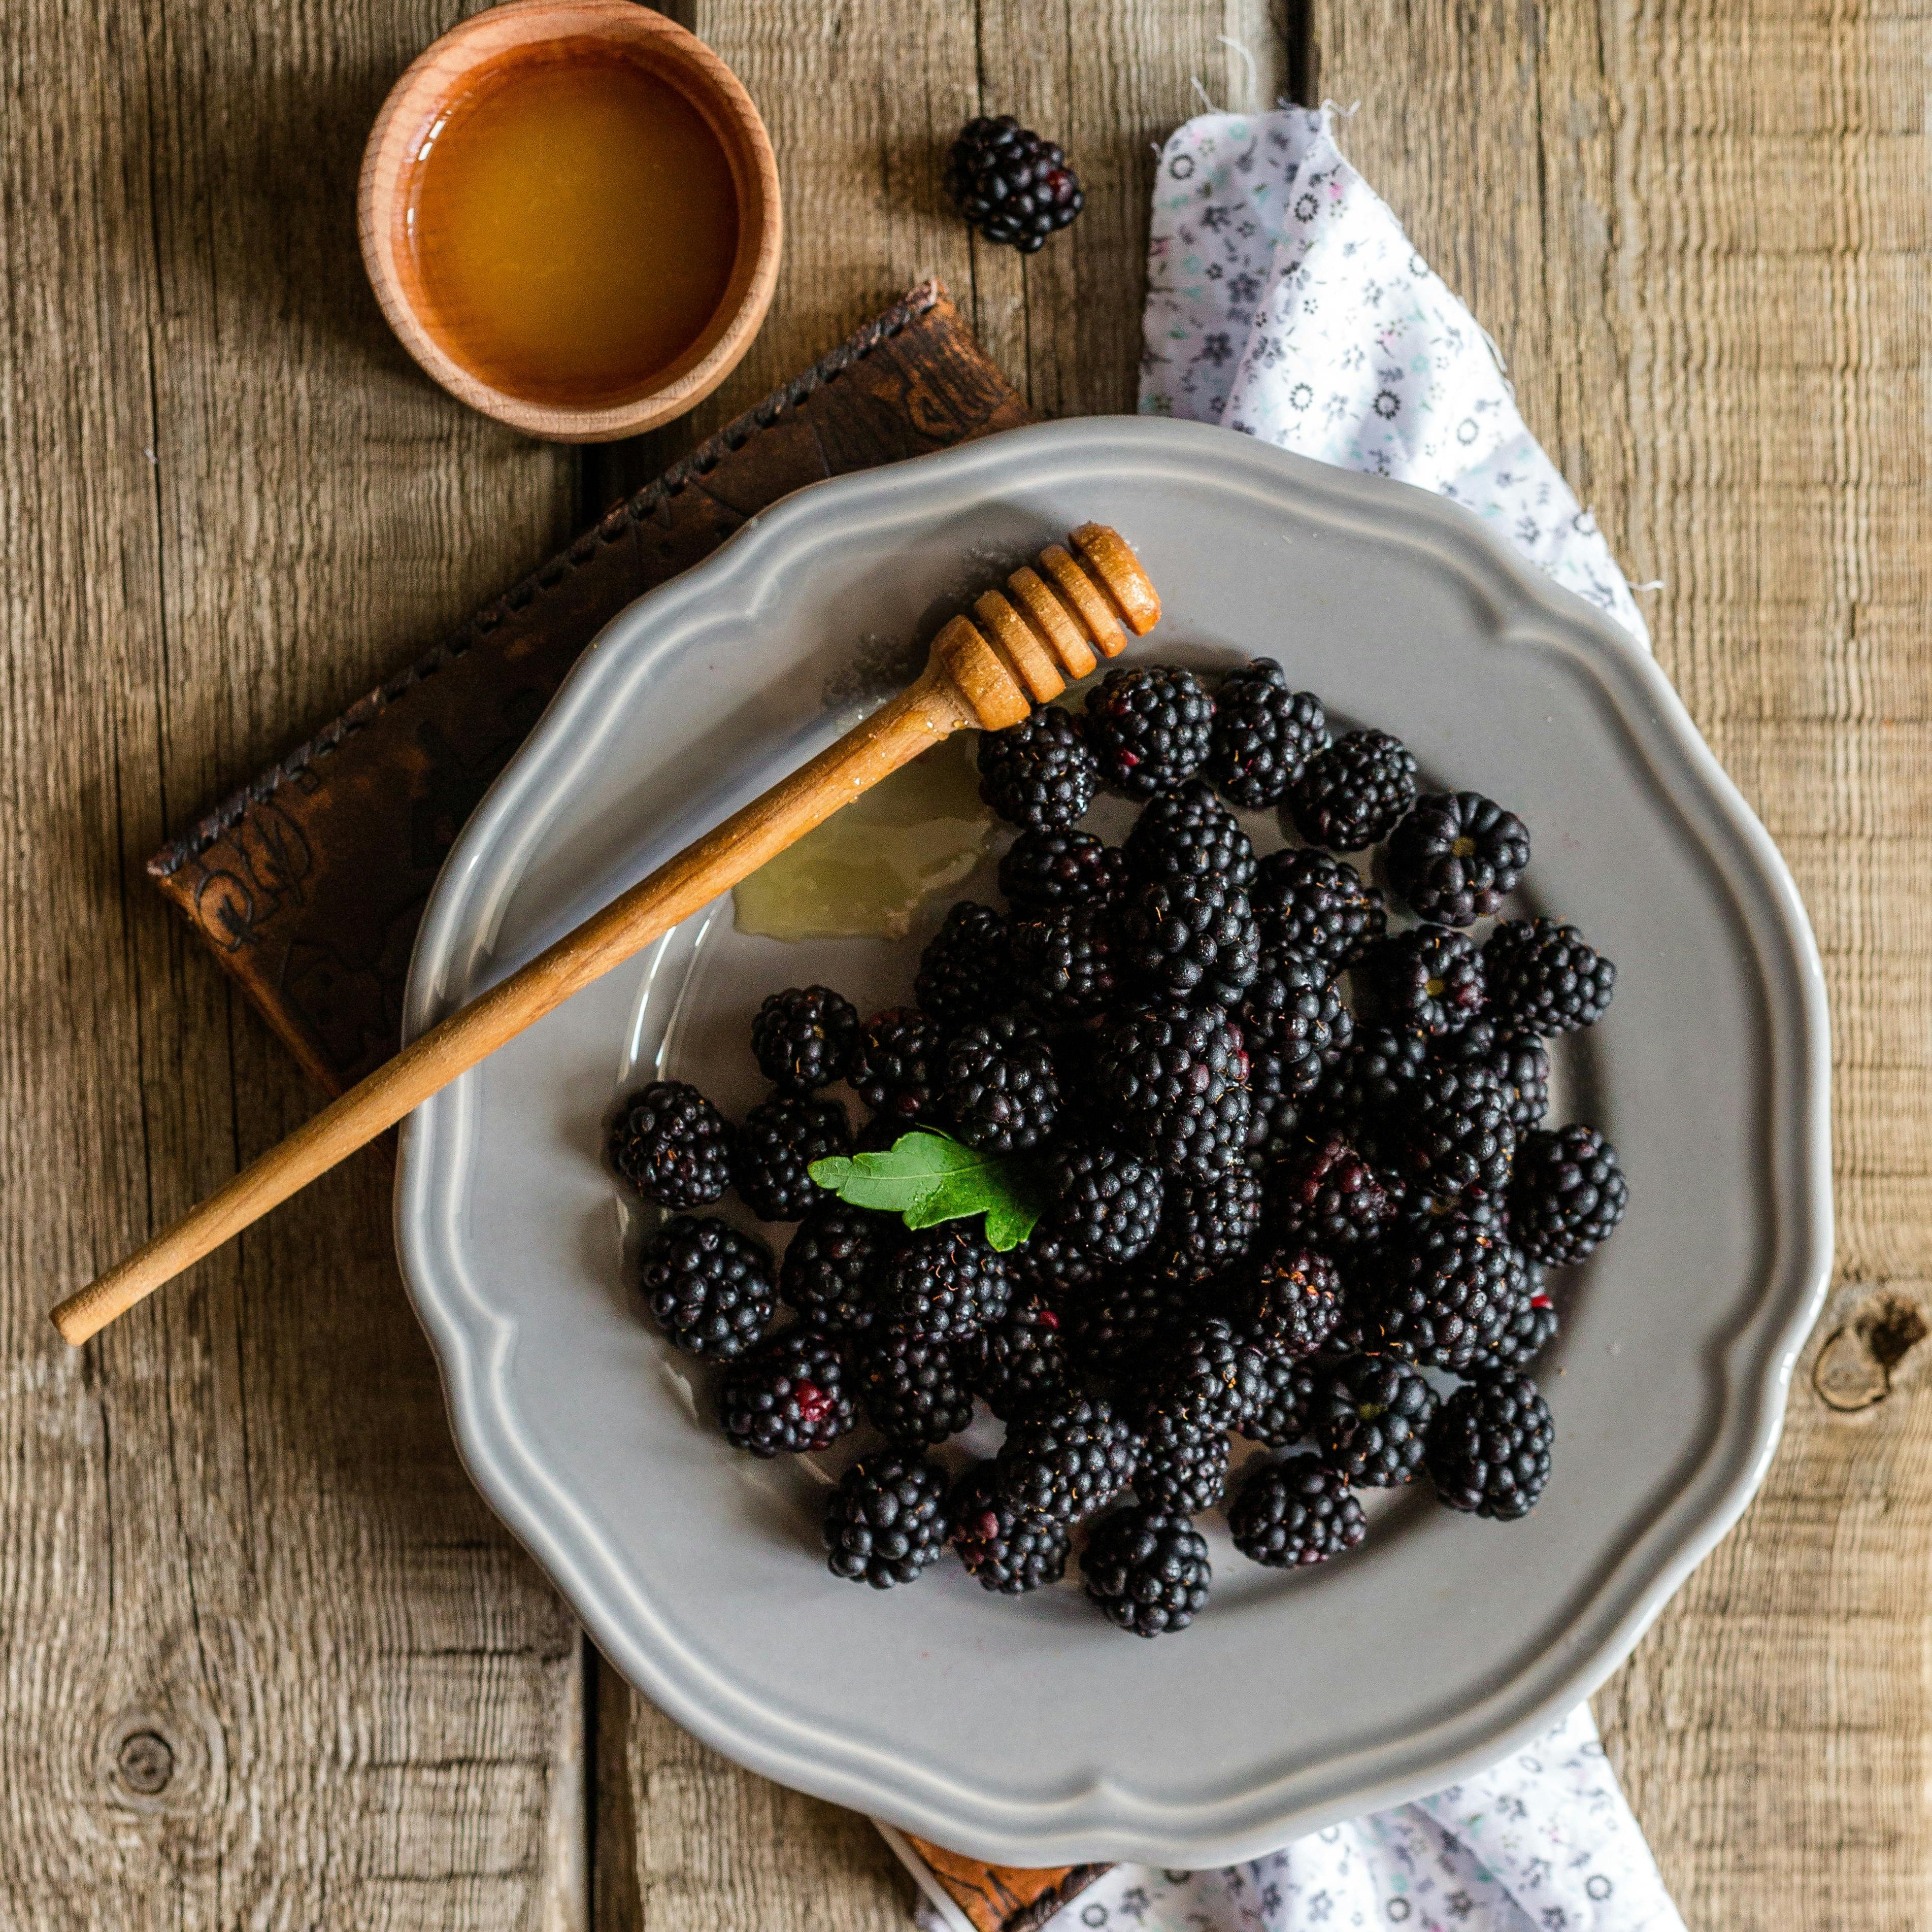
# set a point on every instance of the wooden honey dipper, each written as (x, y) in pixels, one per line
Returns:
(1029, 643)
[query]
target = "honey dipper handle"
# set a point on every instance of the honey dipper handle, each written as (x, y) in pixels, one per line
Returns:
(931, 710)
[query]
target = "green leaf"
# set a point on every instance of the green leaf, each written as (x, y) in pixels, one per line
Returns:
(928, 1177)
(1008, 1223)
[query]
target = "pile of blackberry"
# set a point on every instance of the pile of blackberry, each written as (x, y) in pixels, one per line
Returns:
(1284, 1113)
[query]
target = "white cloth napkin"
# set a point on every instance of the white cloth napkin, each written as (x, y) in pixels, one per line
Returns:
(1284, 300)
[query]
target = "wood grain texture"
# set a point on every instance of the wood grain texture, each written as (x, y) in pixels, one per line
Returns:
(1690, 230)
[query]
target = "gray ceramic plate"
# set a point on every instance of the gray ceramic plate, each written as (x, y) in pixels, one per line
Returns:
(1030, 1732)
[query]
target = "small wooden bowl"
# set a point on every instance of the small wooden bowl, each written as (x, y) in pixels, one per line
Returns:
(442, 74)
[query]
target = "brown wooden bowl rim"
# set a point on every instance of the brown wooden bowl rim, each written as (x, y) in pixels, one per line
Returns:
(441, 71)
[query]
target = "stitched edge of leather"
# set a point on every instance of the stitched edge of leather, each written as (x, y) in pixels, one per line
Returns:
(615, 524)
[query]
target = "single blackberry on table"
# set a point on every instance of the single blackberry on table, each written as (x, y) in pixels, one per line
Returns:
(1184, 1464)
(803, 1038)
(1146, 1569)
(1012, 186)
(1280, 1112)
(1457, 1140)
(1264, 734)
(945, 1281)
(1002, 1094)
(1022, 1360)
(1148, 726)
(1430, 977)
(1291, 1301)
(1212, 1379)
(1192, 940)
(1293, 1514)
(1310, 902)
(1284, 1409)
(708, 1286)
(1372, 1418)
(1103, 1204)
(1375, 1078)
(789, 1395)
(1008, 1550)
(897, 1064)
(781, 1137)
(1043, 871)
(1457, 856)
(1448, 1294)
(828, 1271)
(1567, 1193)
(1489, 1450)
(1064, 965)
(1111, 1330)
(965, 973)
(1330, 1195)
(1172, 1082)
(1186, 832)
(1519, 1063)
(1038, 773)
(916, 1388)
(1207, 1225)
(1067, 1458)
(1294, 1011)
(673, 1145)
(887, 1520)
(1355, 793)
(1544, 977)
(1530, 1331)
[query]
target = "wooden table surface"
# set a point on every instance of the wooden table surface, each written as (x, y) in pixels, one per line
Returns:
(267, 1661)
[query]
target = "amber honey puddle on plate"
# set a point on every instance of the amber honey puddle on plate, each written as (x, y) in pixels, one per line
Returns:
(573, 223)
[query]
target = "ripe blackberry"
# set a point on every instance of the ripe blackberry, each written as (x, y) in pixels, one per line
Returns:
(1457, 1140)
(1172, 1081)
(1371, 1420)
(673, 1145)
(1207, 1225)
(1567, 1193)
(1183, 1465)
(1002, 1095)
(1292, 1301)
(708, 1286)
(1488, 1450)
(1430, 977)
(828, 1270)
(1519, 1062)
(1212, 1379)
(803, 1038)
(788, 1395)
(1103, 1204)
(1264, 734)
(1008, 1551)
(1284, 1410)
(1376, 1079)
(781, 1137)
(1038, 773)
(965, 973)
(1186, 832)
(1329, 1195)
(1294, 1514)
(1544, 977)
(945, 1281)
(1064, 962)
(916, 1387)
(1309, 902)
(1457, 856)
(1279, 1114)
(1147, 1568)
(1111, 1330)
(1067, 1458)
(1355, 793)
(1531, 1331)
(1022, 1360)
(1192, 940)
(897, 1064)
(1045, 871)
(1014, 188)
(1149, 726)
(887, 1520)
(1294, 1011)
(1448, 1293)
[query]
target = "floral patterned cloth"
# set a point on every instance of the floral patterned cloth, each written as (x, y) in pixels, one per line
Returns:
(1284, 299)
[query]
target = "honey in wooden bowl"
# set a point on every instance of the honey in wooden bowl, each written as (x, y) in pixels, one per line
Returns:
(573, 222)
